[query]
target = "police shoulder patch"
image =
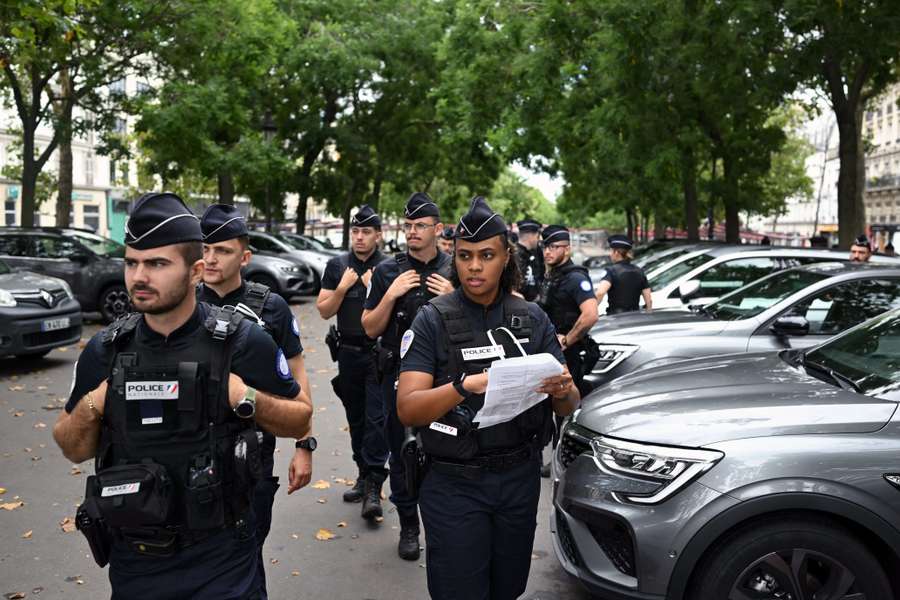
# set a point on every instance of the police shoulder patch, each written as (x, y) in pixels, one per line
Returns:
(295, 327)
(406, 342)
(281, 365)
(369, 288)
(586, 285)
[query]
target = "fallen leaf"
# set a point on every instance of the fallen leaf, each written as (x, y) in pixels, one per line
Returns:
(18, 413)
(75, 470)
(67, 525)
(350, 482)
(12, 505)
(14, 595)
(322, 501)
(324, 535)
(42, 387)
(16, 388)
(342, 524)
(274, 561)
(295, 536)
(2, 490)
(35, 458)
(40, 425)
(379, 519)
(27, 535)
(321, 485)
(52, 407)
(345, 428)
(295, 573)
(355, 536)
(323, 408)
(37, 590)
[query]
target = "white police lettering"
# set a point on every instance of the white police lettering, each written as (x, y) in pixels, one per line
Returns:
(151, 390)
(281, 365)
(406, 342)
(483, 352)
(121, 490)
(295, 327)
(586, 285)
(443, 428)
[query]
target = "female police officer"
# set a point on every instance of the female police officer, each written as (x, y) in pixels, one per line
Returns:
(479, 499)
(624, 282)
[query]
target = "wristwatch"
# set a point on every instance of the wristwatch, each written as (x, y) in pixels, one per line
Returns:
(246, 408)
(458, 386)
(309, 443)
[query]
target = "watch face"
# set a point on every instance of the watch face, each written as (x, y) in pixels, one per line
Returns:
(311, 443)
(244, 409)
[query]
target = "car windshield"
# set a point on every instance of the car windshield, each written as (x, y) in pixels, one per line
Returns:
(291, 241)
(653, 262)
(753, 299)
(663, 278)
(100, 245)
(4, 268)
(868, 356)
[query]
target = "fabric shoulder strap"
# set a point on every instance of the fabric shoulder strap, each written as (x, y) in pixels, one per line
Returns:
(255, 296)
(403, 261)
(121, 328)
(573, 267)
(517, 316)
(457, 326)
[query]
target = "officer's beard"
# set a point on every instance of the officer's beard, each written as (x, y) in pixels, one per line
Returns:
(161, 303)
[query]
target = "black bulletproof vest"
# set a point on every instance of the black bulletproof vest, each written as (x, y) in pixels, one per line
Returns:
(171, 410)
(405, 308)
(453, 436)
(255, 296)
(532, 267)
(349, 315)
(625, 293)
(561, 307)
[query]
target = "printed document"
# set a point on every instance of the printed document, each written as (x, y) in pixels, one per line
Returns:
(511, 387)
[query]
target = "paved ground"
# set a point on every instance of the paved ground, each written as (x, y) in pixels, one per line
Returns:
(39, 559)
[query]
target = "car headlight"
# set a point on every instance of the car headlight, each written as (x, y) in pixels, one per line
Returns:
(669, 468)
(611, 355)
(6, 299)
(294, 270)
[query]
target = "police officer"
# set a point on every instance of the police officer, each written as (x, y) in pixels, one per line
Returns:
(399, 287)
(166, 401)
(480, 495)
(445, 242)
(861, 249)
(531, 261)
(225, 252)
(624, 282)
(343, 293)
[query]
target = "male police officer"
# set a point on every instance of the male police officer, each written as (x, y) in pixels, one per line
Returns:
(343, 294)
(225, 252)
(445, 242)
(861, 249)
(567, 297)
(399, 287)
(624, 282)
(531, 261)
(160, 400)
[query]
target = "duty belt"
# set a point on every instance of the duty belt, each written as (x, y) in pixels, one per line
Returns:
(357, 344)
(493, 463)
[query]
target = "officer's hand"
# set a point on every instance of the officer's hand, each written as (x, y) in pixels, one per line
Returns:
(562, 340)
(300, 471)
(438, 284)
(404, 282)
(557, 386)
(236, 389)
(477, 384)
(347, 279)
(366, 277)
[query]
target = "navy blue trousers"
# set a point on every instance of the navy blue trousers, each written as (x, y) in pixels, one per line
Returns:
(263, 501)
(479, 533)
(394, 431)
(361, 397)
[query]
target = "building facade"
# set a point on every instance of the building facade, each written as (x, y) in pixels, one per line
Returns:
(881, 132)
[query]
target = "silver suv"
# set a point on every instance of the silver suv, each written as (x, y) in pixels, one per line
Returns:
(757, 476)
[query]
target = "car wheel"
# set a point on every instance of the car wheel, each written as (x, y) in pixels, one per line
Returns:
(265, 280)
(34, 355)
(114, 302)
(791, 558)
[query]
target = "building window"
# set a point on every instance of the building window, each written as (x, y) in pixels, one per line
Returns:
(88, 168)
(120, 126)
(142, 88)
(90, 216)
(9, 208)
(117, 88)
(112, 173)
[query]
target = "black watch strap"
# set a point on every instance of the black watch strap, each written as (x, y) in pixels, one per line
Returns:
(458, 386)
(309, 443)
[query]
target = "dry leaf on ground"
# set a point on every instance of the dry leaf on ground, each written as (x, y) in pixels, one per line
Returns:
(342, 524)
(321, 485)
(324, 535)
(27, 535)
(12, 505)
(67, 525)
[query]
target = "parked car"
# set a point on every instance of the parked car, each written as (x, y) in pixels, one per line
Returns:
(92, 265)
(268, 245)
(768, 475)
(37, 313)
(305, 242)
(651, 260)
(796, 308)
(284, 277)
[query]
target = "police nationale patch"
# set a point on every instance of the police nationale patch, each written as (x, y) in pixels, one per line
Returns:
(406, 342)
(123, 489)
(443, 428)
(295, 327)
(281, 365)
(483, 352)
(151, 390)
(586, 285)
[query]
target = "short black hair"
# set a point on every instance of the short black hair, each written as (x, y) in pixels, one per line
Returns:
(191, 251)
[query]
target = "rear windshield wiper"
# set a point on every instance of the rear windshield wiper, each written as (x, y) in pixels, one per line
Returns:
(843, 382)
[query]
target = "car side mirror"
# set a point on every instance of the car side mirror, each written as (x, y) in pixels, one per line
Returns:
(689, 290)
(786, 326)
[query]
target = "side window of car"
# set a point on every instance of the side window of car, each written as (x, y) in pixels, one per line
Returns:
(14, 245)
(733, 274)
(55, 247)
(264, 244)
(845, 305)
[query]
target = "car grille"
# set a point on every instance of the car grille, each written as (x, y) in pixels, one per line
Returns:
(616, 544)
(566, 542)
(41, 338)
(573, 444)
(49, 300)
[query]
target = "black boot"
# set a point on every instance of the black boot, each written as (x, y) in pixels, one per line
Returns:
(371, 507)
(355, 494)
(408, 548)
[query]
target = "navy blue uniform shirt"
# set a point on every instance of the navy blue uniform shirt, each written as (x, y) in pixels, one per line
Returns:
(334, 270)
(255, 359)
(386, 272)
(276, 314)
(577, 285)
(428, 347)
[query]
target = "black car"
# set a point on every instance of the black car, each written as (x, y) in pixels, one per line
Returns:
(92, 265)
(37, 314)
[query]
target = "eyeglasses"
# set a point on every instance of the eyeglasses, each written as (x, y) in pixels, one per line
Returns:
(419, 227)
(555, 247)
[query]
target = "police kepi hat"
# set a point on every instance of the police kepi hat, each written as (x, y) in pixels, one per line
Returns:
(421, 205)
(161, 219)
(526, 225)
(555, 233)
(222, 222)
(620, 242)
(448, 233)
(862, 240)
(366, 217)
(480, 223)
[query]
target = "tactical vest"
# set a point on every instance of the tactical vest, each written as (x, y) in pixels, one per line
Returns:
(561, 307)
(173, 459)
(454, 436)
(531, 275)
(405, 308)
(255, 296)
(349, 315)
(620, 301)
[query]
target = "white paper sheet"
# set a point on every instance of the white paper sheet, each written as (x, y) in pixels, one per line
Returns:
(511, 387)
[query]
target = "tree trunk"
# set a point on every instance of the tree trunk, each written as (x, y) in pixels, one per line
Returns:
(64, 185)
(851, 208)
(29, 178)
(629, 220)
(659, 228)
(226, 188)
(732, 214)
(345, 217)
(309, 159)
(689, 186)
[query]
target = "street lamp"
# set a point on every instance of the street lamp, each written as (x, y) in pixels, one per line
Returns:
(269, 129)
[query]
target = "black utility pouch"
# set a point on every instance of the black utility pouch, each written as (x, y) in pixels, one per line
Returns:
(248, 458)
(92, 526)
(133, 495)
(332, 340)
(204, 503)
(452, 436)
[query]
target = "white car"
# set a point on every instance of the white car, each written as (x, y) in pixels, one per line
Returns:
(267, 244)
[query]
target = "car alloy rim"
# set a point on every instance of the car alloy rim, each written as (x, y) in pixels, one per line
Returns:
(117, 302)
(796, 574)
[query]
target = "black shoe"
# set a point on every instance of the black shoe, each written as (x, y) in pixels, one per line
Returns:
(356, 493)
(371, 507)
(545, 470)
(408, 548)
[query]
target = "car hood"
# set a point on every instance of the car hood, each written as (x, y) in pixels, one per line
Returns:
(662, 323)
(703, 401)
(26, 281)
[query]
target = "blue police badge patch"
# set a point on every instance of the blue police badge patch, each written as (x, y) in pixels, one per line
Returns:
(406, 342)
(281, 365)
(586, 285)
(295, 327)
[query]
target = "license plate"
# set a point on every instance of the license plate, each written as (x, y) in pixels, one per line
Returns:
(54, 324)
